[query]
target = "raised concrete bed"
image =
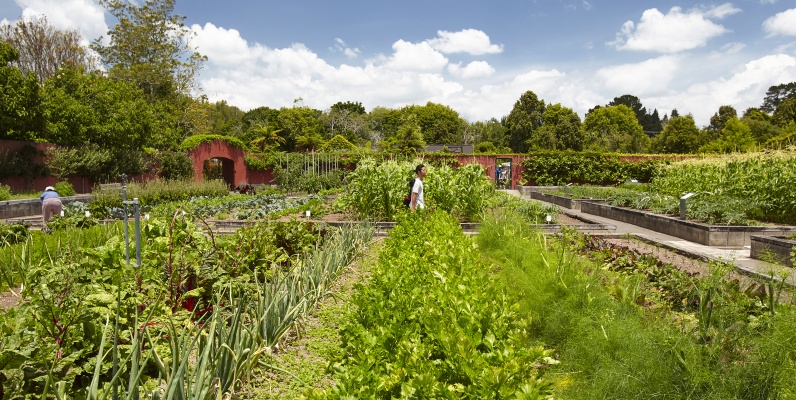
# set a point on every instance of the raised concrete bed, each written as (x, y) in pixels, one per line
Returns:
(709, 235)
(29, 207)
(562, 201)
(767, 248)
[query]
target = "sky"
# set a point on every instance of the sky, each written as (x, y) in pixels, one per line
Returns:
(476, 57)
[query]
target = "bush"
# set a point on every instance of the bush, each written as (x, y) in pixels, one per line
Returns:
(64, 189)
(175, 165)
(5, 192)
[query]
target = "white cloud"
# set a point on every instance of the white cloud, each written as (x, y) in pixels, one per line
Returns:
(673, 32)
(340, 46)
(85, 15)
(727, 49)
(742, 89)
(475, 69)
(787, 48)
(471, 41)
(644, 78)
(783, 23)
(416, 57)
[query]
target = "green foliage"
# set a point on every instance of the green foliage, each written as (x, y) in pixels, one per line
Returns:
(22, 163)
(87, 108)
(64, 188)
(559, 131)
(438, 123)
(559, 168)
(193, 142)
(96, 163)
(21, 116)
(151, 193)
(404, 338)
(376, 191)
(763, 180)
(524, 119)
(13, 233)
(5, 192)
(338, 143)
(680, 136)
(614, 128)
(734, 136)
(175, 165)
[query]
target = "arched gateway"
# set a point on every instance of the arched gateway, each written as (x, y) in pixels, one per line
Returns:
(219, 160)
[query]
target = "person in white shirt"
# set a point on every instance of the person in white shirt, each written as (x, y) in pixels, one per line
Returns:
(418, 201)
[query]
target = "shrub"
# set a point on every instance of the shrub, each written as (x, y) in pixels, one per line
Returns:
(175, 165)
(64, 189)
(5, 192)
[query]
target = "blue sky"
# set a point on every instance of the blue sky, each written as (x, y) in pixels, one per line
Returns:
(477, 57)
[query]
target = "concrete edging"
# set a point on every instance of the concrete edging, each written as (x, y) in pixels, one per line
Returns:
(708, 235)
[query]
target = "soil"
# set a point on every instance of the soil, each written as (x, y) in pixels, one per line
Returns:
(10, 298)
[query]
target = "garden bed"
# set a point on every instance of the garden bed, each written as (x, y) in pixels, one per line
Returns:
(709, 235)
(562, 201)
(29, 207)
(773, 248)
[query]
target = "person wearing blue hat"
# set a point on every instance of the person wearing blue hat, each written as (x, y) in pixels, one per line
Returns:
(50, 204)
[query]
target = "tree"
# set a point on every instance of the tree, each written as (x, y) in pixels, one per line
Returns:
(384, 123)
(785, 112)
(225, 119)
(681, 135)
(735, 136)
(614, 128)
(525, 117)
(299, 122)
(777, 94)
(266, 136)
(762, 130)
(44, 49)
(21, 115)
(150, 46)
(559, 131)
(720, 118)
(87, 108)
(650, 123)
(491, 131)
(438, 123)
(408, 139)
(347, 119)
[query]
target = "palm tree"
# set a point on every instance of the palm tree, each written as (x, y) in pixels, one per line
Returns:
(266, 136)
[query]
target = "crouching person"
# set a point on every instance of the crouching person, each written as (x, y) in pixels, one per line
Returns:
(50, 204)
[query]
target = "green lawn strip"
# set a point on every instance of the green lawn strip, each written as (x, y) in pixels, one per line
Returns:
(307, 356)
(616, 339)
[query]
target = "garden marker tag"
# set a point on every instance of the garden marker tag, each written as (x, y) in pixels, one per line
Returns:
(307, 214)
(88, 213)
(62, 213)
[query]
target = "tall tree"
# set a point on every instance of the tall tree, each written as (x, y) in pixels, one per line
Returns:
(785, 112)
(681, 135)
(90, 108)
(408, 139)
(735, 136)
(21, 115)
(525, 117)
(302, 123)
(225, 119)
(777, 94)
(720, 118)
(44, 49)
(347, 119)
(559, 131)
(438, 123)
(614, 128)
(151, 47)
(650, 123)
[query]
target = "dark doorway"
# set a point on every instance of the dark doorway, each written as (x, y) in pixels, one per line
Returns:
(503, 173)
(220, 168)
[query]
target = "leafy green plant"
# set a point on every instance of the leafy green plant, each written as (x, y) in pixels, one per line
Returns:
(5, 192)
(64, 188)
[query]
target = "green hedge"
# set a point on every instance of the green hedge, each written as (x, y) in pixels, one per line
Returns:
(562, 167)
(193, 142)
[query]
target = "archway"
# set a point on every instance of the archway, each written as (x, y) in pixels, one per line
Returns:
(219, 168)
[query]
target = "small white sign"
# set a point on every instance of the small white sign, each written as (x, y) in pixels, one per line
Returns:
(88, 213)
(62, 213)
(146, 216)
(548, 219)
(307, 213)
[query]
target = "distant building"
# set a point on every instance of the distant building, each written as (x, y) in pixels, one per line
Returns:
(451, 148)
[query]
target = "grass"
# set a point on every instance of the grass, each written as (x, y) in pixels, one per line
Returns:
(306, 354)
(610, 346)
(27, 194)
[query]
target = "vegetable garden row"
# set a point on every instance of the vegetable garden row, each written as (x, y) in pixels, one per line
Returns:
(510, 313)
